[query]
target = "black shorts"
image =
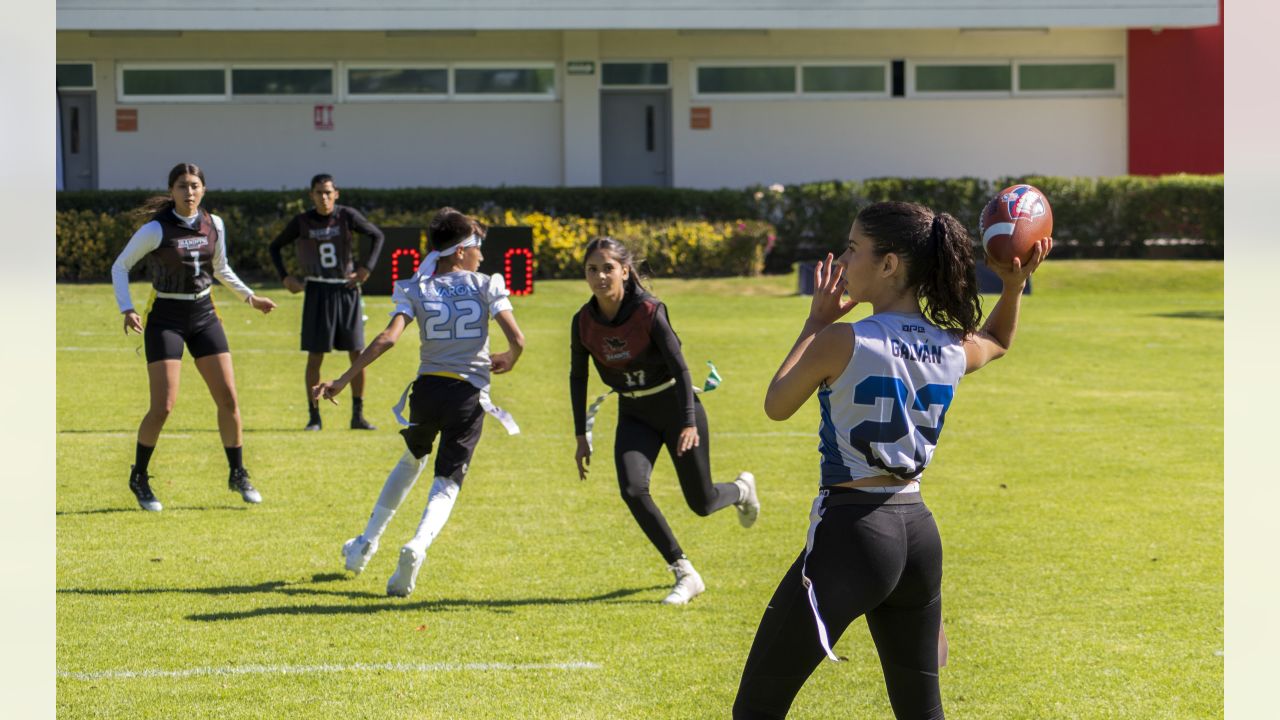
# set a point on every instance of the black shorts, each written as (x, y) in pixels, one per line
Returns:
(331, 318)
(451, 409)
(172, 323)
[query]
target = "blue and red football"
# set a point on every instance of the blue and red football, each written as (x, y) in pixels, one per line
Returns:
(1013, 221)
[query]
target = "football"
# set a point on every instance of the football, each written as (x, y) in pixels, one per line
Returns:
(1013, 221)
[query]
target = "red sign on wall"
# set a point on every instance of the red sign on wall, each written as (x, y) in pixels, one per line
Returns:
(126, 119)
(324, 117)
(700, 118)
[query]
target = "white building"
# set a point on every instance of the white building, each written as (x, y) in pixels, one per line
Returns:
(392, 93)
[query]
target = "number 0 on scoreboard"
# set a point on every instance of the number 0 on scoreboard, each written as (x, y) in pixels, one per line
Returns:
(508, 251)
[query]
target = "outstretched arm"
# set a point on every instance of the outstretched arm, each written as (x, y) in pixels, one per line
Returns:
(384, 342)
(820, 353)
(996, 336)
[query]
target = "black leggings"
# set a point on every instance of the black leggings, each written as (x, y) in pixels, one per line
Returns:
(644, 426)
(884, 561)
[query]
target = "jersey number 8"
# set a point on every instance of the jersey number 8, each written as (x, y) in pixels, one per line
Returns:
(328, 255)
(440, 322)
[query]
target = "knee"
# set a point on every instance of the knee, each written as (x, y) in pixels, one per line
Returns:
(160, 411)
(700, 509)
(633, 493)
(228, 403)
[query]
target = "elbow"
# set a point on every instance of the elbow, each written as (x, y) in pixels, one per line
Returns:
(775, 410)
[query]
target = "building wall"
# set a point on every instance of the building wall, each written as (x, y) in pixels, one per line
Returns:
(443, 143)
(1176, 100)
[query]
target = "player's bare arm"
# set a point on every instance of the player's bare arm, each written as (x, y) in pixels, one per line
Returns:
(503, 362)
(382, 343)
(821, 351)
(996, 336)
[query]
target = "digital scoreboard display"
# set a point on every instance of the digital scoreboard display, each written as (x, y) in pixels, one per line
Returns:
(508, 251)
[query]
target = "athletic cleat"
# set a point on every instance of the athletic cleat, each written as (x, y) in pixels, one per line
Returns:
(749, 506)
(140, 484)
(357, 551)
(359, 423)
(405, 578)
(239, 482)
(688, 585)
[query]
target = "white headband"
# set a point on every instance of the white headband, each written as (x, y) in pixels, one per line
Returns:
(427, 267)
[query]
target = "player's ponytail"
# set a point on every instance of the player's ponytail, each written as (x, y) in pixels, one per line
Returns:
(938, 256)
(156, 204)
(624, 257)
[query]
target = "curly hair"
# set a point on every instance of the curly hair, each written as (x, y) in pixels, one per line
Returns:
(938, 254)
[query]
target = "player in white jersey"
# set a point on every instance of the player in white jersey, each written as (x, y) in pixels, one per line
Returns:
(452, 304)
(884, 385)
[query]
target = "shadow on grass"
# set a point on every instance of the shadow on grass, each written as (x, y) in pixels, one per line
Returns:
(1194, 315)
(440, 604)
(286, 587)
(168, 509)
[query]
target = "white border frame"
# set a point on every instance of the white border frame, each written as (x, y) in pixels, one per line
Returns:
(556, 81)
(345, 95)
(93, 75)
(1118, 63)
(331, 96)
(124, 99)
(634, 61)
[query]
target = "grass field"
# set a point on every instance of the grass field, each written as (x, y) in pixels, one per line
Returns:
(1078, 488)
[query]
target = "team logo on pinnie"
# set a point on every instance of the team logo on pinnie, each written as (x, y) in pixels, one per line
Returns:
(616, 344)
(1023, 203)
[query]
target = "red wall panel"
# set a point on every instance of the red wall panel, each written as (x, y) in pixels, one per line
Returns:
(1175, 100)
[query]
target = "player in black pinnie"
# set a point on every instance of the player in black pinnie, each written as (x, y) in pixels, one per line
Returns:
(626, 332)
(185, 248)
(331, 315)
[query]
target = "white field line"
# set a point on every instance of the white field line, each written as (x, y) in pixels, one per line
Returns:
(311, 669)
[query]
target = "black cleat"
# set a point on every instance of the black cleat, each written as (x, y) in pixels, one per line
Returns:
(140, 484)
(359, 423)
(239, 482)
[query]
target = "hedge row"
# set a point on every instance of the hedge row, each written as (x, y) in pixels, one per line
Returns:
(694, 232)
(89, 241)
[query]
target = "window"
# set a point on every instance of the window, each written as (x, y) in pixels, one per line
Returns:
(827, 79)
(175, 83)
(746, 80)
(964, 78)
(1077, 77)
(617, 74)
(401, 81)
(499, 81)
(281, 81)
(77, 76)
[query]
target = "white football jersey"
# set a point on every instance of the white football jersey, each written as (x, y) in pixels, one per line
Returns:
(883, 414)
(453, 312)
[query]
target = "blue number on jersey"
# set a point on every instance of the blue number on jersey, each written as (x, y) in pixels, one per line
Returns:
(896, 427)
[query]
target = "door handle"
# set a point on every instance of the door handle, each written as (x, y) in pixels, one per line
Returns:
(648, 128)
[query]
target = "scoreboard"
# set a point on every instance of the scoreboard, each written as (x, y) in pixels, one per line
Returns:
(508, 251)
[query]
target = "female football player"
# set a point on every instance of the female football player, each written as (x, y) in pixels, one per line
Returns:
(453, 305)
(884, 384)
(626, 332)
(185, 248)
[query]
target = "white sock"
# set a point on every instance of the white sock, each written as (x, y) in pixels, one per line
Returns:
(399, 482)
(443, 494)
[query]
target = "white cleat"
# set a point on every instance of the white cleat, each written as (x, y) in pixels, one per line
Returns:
(405, 577)
(749, 506)
(357, 551)
(688, 585)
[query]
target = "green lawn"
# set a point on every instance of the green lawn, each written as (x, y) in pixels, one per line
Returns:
(1078, 487)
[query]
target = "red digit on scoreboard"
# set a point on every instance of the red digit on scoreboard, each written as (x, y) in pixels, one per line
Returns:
(526, 277)
(412, 254)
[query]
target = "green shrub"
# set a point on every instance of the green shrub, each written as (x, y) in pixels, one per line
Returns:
(692, 232)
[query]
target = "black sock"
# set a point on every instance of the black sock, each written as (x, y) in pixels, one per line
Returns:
(314, 410)
(234, 457)
(357, 407)
(141, 457)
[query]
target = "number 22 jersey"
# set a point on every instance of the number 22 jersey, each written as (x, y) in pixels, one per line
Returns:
(883, 414)
(453, 312)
